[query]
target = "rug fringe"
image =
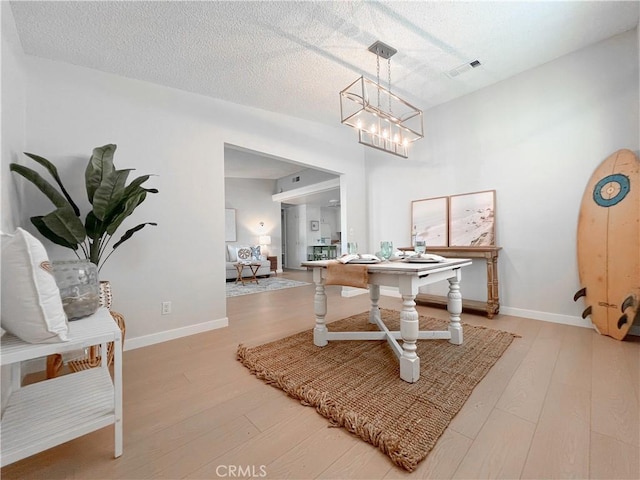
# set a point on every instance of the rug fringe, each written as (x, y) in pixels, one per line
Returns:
(355, 423)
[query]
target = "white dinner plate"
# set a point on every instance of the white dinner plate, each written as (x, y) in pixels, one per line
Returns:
(421, 260)
(363, 260)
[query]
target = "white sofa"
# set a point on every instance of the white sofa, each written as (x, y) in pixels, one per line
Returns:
(232, 258)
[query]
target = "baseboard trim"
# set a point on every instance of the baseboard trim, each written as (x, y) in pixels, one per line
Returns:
(353, 292)
(390, 292)
(516, 312)
(547, 316)
(39, 364)
(146, 340)
(519, 312)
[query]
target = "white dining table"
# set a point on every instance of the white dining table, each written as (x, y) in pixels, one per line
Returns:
(408, 278)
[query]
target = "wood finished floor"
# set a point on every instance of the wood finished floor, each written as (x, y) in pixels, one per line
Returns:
(562, 402)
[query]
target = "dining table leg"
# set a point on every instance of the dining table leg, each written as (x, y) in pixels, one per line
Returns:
(454, 306)
(374, 295)
(320, 310)
(409, 329)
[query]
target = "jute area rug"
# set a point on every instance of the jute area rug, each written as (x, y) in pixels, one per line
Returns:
(264, 285)
(356, 384)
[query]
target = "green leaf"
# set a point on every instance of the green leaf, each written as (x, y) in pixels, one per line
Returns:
(44, 186)
(129, 233)
(54, 173)
(47, 233)
(133, 186)
(63, 223)
(100, 166)
(109, 193)
(94, 253)
(128, 205)
(94, 227)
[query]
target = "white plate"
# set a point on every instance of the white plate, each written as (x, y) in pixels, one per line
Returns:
(421, 260)
(363, 260)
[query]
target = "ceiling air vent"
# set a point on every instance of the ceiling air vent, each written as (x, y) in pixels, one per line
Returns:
(465, 67)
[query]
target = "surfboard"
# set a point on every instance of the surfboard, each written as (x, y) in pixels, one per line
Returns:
(609, 245)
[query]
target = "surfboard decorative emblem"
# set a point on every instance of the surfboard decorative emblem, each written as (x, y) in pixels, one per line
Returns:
(611, 190)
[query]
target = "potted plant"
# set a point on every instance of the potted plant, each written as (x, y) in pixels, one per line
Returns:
(112, 201)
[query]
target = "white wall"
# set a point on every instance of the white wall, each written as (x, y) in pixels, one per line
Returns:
(180, 137)
(13, 117)
(331, 217)
(297, 219)
(301, 179)
(536, 139)
(251, 198)
(313, 215)
(12, 140)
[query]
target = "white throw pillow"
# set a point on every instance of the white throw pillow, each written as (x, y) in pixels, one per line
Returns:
(31, 304)
(231, 253)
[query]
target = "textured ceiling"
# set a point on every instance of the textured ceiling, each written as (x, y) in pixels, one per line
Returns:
(294, 57)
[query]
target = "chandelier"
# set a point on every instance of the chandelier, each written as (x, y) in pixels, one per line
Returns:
(383, 120)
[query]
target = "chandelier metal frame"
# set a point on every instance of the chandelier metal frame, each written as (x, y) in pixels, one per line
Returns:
(384, 120)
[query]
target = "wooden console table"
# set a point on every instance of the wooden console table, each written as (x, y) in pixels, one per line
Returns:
(490, 254)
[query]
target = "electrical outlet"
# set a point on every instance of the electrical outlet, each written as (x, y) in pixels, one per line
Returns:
(166, 308)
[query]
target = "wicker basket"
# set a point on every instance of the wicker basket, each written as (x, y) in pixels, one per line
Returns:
(93, 359)
(105, 294)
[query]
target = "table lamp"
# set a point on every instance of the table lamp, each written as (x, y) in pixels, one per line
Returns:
(264, 240)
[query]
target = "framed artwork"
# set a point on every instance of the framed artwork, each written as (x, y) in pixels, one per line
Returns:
(472, 219)
(429, 220)
(315, 225)
(229, 224)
